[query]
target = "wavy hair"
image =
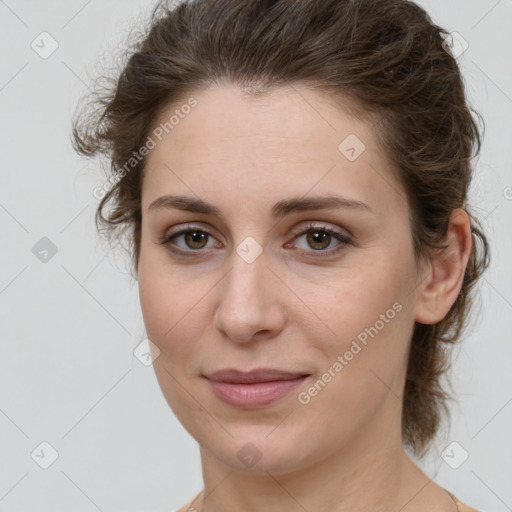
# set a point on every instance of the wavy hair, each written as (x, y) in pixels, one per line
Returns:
(386, 57)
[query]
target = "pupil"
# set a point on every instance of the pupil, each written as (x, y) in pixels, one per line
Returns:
(197, 237)
(318, 237)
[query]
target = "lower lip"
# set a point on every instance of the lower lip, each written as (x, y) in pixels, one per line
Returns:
(248, 396)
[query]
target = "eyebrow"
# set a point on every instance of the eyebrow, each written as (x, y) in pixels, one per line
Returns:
(279, 210)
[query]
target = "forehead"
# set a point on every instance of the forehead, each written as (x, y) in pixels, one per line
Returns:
(285, 142)
(284, 116)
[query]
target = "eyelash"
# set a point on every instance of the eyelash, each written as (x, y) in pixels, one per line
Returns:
(341, 237)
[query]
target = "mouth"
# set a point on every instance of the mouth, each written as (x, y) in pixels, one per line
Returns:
(254, 389)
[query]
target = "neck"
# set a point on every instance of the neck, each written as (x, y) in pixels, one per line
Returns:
(371, 471)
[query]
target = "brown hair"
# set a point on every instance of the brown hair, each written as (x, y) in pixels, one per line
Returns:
(386, 57)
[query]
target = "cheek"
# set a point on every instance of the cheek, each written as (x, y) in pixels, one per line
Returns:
(363, 362)
(158, 309)
(168, 304)
(370, 320)
(356, 300)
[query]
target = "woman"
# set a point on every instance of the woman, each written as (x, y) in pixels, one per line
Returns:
(293, 176)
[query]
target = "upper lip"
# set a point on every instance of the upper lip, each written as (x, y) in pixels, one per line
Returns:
(234, 376)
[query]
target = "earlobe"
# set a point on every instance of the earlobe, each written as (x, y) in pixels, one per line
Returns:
(440, 289)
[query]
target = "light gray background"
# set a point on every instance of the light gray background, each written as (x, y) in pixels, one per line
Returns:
(69, 326)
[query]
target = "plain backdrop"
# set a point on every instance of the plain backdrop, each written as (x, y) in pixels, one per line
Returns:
(73, 397)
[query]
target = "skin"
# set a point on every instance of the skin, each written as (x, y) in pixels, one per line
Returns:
(294, 307)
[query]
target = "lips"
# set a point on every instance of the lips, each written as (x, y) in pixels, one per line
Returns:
(254, 389)
(233, 376)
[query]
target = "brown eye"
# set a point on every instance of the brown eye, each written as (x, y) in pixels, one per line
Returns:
(318, 239)
(189, 241)
(196, 239)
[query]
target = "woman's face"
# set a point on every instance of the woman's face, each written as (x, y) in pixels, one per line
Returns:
(262, 282)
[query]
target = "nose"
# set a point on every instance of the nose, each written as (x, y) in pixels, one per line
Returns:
(251, 302)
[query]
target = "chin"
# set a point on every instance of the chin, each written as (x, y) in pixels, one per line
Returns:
(264, 450)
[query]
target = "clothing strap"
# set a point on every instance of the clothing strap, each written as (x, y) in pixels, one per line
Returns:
(454, 498)
(193, 500)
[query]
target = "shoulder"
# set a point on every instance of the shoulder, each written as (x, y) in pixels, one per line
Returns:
(466, 508)
(463, 507)
(188, 507)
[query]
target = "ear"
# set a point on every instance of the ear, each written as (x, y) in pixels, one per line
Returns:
(440, 288)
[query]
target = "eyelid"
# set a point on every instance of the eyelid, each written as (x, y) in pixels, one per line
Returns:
(188, 226)
(320, 225)
(168, 236)
(343, 238)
